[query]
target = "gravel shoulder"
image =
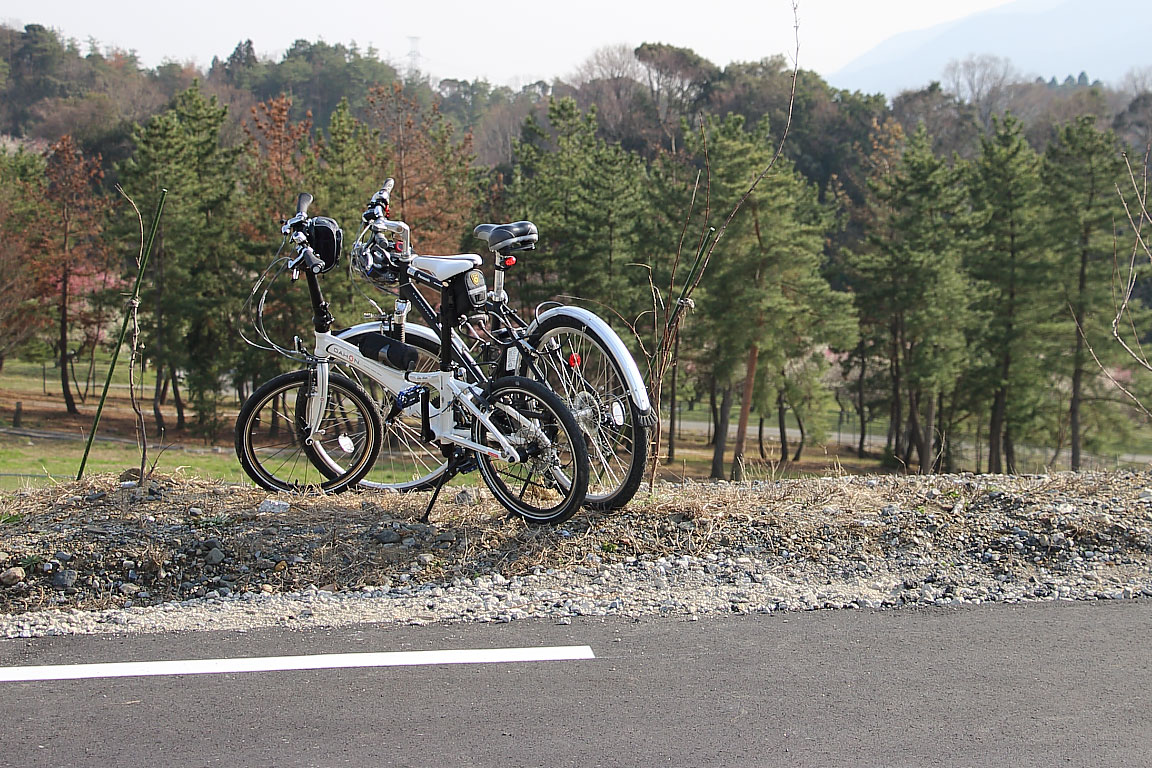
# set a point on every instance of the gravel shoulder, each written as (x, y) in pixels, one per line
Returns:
(181, 554)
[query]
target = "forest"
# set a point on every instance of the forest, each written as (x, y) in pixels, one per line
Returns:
(945, 267)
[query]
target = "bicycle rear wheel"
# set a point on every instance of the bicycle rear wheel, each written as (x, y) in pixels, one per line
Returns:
(579, 366)
(272, 432)
(550, 481)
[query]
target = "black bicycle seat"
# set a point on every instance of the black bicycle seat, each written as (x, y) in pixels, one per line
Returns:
(503, 238)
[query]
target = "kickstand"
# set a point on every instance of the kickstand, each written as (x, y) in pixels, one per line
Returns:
(456, 463)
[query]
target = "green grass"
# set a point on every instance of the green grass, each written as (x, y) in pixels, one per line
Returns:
(29, 461)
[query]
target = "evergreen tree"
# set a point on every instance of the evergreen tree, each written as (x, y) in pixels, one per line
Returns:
(777, 306)
(915, 277)
(587, 198)
(1082, 167)
(194, 267)
(1012, 273)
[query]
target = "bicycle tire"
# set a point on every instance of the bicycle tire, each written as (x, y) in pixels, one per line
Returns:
(270, 435)
(553, 453)
(579, 366)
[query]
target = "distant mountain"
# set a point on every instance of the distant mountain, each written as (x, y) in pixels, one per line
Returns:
(1045, 38)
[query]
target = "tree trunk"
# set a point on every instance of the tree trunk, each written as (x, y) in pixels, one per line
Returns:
(996, 431)
(179, 402)
(915, 436)
(720, 442)
(800, 447)
(896, 429)
(928, 439)
(745, 412)
(65, 277)
(1009, 452)
(781, 422)
(157, 414)
(714, 410)
(1078, 357)
(861, 407)
(672, 403)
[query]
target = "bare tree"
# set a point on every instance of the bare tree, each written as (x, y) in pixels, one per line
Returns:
(1136, 81)
(984, 81)
(1125, 328)
(610, 79)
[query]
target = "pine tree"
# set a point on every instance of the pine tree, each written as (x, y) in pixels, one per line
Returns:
(1012, 273)
(1082, 167)
(914, 276)
(193, 285)
(586, 197)
(768, 301)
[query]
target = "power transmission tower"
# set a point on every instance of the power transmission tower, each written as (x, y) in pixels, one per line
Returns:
(413, 57)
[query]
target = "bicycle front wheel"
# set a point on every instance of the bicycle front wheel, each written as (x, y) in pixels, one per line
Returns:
(272, 440)
(579, 366)
(549, 482)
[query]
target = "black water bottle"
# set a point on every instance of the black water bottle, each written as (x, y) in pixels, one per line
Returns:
(397, 354)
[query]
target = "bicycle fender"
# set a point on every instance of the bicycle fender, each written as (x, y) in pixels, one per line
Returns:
(637, 390)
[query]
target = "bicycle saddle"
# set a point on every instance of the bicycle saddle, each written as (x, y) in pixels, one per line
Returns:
(517, 236)
(445, 267)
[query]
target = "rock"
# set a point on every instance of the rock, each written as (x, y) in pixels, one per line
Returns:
(273, 506)
(96, 496)
(215, 556)
(12, 576)
(64, 578)
(389, 537)
(63, 556)
(129, 589)
(132, 474)
(195, 511)
(466, 498)
(446, 536)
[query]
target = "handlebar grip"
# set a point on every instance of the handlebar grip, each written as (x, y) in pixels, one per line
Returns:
(385, 193)
(302, 203)
(311, 263)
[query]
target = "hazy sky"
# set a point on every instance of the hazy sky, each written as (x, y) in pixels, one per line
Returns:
(506, 41)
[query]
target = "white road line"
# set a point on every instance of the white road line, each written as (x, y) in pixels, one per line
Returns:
(282, 663)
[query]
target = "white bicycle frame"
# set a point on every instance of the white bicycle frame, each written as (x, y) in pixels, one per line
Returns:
(452, 391)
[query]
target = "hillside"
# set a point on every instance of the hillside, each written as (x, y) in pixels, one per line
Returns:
(1040, 37)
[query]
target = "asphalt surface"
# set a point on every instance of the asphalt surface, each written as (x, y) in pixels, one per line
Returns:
(1041, 684)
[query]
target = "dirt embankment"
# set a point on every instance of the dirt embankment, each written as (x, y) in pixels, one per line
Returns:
(103, 544)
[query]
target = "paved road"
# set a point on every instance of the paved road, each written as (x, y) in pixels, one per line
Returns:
(1031, 685)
